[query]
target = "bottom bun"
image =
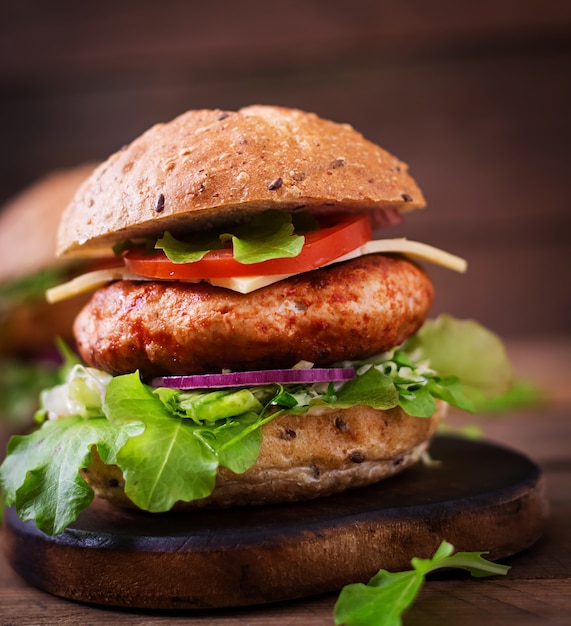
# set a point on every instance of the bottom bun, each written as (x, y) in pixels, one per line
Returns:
(317, 453)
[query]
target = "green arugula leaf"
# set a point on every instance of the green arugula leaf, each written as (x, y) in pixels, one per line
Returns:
(167, 463)
(40, 475)
(465, 349)
(418, 402)
(270, 235)
(188, 252)
(128, 399)
(146, 246)
(177, 458)
(381, 605)
(395, 379)
(451, 390)
(387, 595)
(239, 443)
(372, 387)
(522, 394)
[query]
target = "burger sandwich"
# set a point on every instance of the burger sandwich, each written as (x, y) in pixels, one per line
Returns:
(30, 326)
(255, 343)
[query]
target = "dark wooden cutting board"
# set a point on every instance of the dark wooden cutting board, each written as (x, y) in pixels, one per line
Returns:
(479, 496)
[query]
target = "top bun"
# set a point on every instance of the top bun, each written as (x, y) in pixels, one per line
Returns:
(206, 167)
(29, 222)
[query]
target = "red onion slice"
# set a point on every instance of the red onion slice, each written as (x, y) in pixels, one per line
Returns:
(260, 377)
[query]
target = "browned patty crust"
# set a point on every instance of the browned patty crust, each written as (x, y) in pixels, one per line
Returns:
(346, 311)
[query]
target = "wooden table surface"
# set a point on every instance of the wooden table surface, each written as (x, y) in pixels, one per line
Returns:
(536, 591)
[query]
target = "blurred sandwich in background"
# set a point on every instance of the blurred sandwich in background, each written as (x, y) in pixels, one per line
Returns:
(29, 325)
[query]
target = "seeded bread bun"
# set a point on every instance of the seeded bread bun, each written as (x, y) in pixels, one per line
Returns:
(30, 220)
(305, 456)
(28, 229)
(209, 166)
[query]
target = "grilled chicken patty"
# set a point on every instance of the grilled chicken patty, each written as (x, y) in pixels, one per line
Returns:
(351, 310)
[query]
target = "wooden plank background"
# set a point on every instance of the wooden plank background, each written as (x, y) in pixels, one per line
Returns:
(476, 97)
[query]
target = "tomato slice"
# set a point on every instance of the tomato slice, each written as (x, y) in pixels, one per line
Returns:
(321, 246)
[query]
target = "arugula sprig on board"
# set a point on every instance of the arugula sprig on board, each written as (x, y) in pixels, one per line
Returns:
(387, 595)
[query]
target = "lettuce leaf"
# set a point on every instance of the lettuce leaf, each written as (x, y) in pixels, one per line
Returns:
(165, 464)
(522, 394)
(40, 475)
(269, 235)
(465, 349)
(392, 379)
(387, 595)
(187, 252)
(174, 459)
(372, 387)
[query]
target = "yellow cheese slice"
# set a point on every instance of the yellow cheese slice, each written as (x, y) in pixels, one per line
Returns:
(413, 249)
(247, 284)
(89, 282)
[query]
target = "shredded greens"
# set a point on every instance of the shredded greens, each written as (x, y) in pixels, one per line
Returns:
(169, 443)
(387, 595)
